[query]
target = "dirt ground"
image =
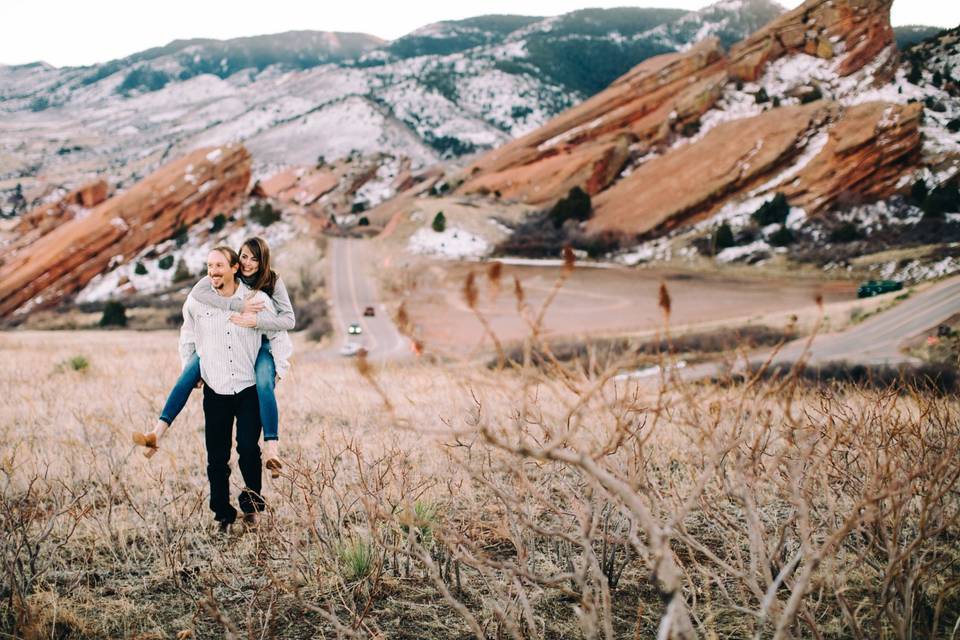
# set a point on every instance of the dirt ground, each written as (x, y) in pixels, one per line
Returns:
(606, 301)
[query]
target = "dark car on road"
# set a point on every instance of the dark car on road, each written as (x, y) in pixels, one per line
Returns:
(368, 311)
(876, 287)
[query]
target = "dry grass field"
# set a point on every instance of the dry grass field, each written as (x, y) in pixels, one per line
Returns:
(455, 501)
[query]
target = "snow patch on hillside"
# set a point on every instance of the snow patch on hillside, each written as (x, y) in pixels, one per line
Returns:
(452, 243)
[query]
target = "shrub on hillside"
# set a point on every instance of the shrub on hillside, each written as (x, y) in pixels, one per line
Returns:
(114, 315)
(140, 269)
(439, 223)
(773, 212)
(919, 192)
(575, 206)
(723, 237)
(182, 272)
(943, 199)
(846, 232)
(165, 262)
(218, 223)
(264, 214)
(181, 235)
(781, 237)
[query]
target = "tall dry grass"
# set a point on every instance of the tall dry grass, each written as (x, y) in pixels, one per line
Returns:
(453, 501)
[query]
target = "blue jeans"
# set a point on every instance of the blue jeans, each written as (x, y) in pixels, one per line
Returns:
(266, 373)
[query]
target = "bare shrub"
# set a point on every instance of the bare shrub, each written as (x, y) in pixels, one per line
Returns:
(542, 500)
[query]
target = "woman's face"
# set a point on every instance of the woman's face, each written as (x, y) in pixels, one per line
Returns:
(249, 265)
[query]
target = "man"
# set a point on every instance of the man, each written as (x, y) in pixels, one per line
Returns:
(228, 353)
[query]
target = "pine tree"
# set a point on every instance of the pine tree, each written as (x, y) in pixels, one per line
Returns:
(439, 222)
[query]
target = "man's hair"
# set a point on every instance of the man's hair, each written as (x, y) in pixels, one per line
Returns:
(265, 279)
(232, 258)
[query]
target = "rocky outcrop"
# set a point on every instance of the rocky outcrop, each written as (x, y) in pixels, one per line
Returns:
(649, 122)
(200, 185)
(868, 151)
(302, 186)
(815, 154)
(639, 110)
(42, 220)
(853, 31)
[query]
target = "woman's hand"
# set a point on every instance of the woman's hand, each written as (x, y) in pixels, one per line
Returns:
(248, 320)
(252, 306)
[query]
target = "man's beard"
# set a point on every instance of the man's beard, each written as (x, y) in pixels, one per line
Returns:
(219, 286)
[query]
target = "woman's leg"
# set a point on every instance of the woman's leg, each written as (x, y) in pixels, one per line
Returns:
(184, 385)
(182, 388)
(266, 372)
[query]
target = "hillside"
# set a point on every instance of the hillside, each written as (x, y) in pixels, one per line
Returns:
(442, 92)
(816, 143)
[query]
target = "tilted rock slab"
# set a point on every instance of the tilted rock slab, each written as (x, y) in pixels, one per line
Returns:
(198, 186)
(651, 106)
(853, 31)
(642, 107)
(42, 220)
(868, 149)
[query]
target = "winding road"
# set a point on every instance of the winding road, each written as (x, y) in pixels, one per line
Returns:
(878, 339)
(875, 341)
(352, 289)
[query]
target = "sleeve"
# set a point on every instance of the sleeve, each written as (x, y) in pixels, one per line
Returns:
(283, 319)
(188, 335)
(202, 292)
(282, 348)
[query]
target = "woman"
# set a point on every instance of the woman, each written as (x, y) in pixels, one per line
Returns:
(256, 273)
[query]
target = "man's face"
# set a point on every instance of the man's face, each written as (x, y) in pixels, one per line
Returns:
(219, 269)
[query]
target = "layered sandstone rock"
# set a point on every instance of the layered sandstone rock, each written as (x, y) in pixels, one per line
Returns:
(42, 220)
(641, 108)
(866, 150)
(197, 186)
(302, 186)
(646, 116)
(853, 31)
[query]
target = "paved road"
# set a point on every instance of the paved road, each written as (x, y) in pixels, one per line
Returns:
(878, 339)
(352, 289)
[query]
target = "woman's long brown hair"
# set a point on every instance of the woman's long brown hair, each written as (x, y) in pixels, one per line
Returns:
(265, 279)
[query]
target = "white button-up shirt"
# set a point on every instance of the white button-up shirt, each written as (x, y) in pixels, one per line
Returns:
(228, 352)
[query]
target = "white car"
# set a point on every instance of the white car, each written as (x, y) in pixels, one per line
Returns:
(350, 349)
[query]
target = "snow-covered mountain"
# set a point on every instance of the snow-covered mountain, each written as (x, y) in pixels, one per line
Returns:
(443, 91)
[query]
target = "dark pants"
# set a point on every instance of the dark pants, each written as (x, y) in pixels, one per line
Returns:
(219, 412)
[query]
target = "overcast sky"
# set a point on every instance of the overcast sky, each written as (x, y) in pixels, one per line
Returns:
(72, 32)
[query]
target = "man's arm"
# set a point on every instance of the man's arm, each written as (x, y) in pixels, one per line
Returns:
(188, 335)
(282, 319)
(203, 292)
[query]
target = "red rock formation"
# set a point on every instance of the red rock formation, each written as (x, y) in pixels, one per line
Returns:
(643, 107)
(853, 30)
(42, 220)
(868, 152)
(197, 186)
(869, 148)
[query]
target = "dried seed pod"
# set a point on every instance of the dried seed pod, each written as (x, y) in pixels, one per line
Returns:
(664, 299)
(470, 290)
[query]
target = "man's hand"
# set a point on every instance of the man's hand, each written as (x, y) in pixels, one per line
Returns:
(252, 306)
(248, 320)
